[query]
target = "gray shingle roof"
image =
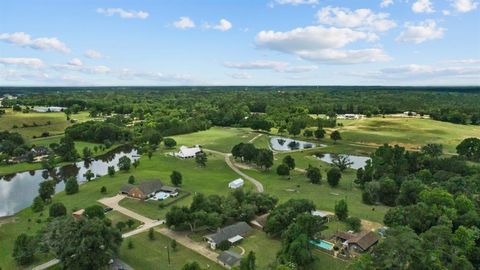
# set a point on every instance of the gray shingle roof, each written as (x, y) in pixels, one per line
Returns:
(239, 228)
(229, 258)
(126, 188)
(150, 186)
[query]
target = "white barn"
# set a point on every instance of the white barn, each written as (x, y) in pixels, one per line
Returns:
(188, 152)
(237, 183)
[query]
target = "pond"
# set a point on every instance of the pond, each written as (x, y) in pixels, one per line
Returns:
(18, 190)
(357, 161)
(286, 144)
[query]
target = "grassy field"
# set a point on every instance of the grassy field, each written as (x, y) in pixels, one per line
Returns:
(58, 122)
(216, 138)
(148, 254)
(117, 217)
(409, 132)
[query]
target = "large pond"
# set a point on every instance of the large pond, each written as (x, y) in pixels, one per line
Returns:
(357, 161)
(286, 144)
(18, 190)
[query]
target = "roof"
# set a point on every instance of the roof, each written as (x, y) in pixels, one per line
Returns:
(188, 151)
(365, 240)
(238, 181)
(344, 235)
(261, 220)
(169, 189)
(150, 186)
(229, 258)
(235, 239)
(126, 188)
(319, 213)
(228, 232)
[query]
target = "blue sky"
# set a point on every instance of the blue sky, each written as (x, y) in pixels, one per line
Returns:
(226, 42)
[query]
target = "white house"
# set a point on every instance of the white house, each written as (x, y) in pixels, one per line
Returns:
(236, 183)
(188, 152)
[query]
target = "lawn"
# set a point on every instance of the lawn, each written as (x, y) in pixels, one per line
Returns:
(58, 122)
(409, 132)
(117, 217)
(148, 254)
(217, 138)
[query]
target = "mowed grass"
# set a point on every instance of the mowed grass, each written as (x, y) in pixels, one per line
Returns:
(148, 254)
(409, 132)
(213, 179)
(216, 138)
(58, 122)
(117, 217)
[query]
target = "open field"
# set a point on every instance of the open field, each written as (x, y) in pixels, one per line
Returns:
(216, 138)
(58, 122)
(409, 132)
(148, 254)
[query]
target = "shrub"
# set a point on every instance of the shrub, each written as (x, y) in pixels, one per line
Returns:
(224, 245)
(57, 210)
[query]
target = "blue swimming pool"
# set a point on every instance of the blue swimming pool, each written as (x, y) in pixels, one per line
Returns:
(322, 244)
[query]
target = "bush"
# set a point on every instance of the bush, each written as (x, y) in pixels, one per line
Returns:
(103, 190)
(71, 186)
(341, 210)
(94, 211)
(224, 245)
(354, 223)
(131, 179)
(151, 234)
(57, 210)
(333, 176)
(38, 204)
(169, 142)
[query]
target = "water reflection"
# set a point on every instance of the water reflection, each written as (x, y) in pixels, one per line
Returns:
(357, 161)
(286, 144)
(18, 190)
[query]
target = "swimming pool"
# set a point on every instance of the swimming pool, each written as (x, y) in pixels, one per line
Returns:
(322, 244)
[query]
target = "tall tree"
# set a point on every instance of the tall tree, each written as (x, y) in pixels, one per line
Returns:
(176, 178)
(335, 136)
(341, 209)
(333, 176)
(314, 174)
(289, 161)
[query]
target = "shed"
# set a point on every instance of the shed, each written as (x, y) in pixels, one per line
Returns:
(237, 183)
(229, 259)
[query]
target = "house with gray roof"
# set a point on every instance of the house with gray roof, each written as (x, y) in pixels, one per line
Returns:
(229, 259)
(232, 233)
(144, 190)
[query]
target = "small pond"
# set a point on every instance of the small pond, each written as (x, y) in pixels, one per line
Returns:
(286, 144)
(18, 190)
(358, 161)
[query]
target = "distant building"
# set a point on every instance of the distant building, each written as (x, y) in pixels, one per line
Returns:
(359, 242)
(233, 234)
(48, 109)
(237, 183)
(322, 214)
(148, 189)
(229, 259)
(188, 152)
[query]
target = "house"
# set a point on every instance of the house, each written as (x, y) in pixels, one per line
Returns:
(229, 259)
(172, 191)
(144, 190)
(233, 233)
(188, 152)
(259, 222)
(48, 109)
(237, 183)
(360, 242)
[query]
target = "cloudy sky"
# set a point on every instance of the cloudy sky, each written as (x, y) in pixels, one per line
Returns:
(236, 42)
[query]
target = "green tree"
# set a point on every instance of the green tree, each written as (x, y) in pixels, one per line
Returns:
(151, 234)
(176, 178)
(169, 142)
(120, 225)
(470, 149)
(354, 223)
(87, 153)
(341, 209)
(124, 163)
(94, 211)
(289, 161)
(264, 158)
(66, 149)
(71, 186)
(191, 266)
(335, 136)
(388, 191)
(57, 210)
(174, 245)
(201, 159)
(24, 249)
(432, 149)
(319, 133)
(333, 176)
(82, 243)
(38, 204)
(283, 170)
(314, 174)
(135, 163)
(111, 171)
(103, 189)
(131, 179)
(249, 262)
(341, 161)
(46, 190)
(409, 192)
(89, 175)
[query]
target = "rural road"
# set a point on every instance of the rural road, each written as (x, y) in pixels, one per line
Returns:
(232, 166)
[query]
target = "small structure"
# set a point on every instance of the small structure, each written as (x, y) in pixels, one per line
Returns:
(229, 259)
(360, 242)
(260, 221)
(233, 233)
(237, 183)
(171, 191)
(78, 214)
(322, 214)
(188, 152)
(144, 190)
(49, 109)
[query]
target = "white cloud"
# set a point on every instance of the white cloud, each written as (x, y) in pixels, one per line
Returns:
(240, 75)
(21, 61)
(421, 32)
(92, 54)
(277, 66)
(128, 74)
(296, 2)
(386, 3)
(75, 62)
(464, 6)
(446, 12)
(320, 44)
(130, 14)
(42, 43)
(223, 25)
(364, 19)
(423, 6)
(184, 23)
(81, 68)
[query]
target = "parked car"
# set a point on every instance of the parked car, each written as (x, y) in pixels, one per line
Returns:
(107, 209)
